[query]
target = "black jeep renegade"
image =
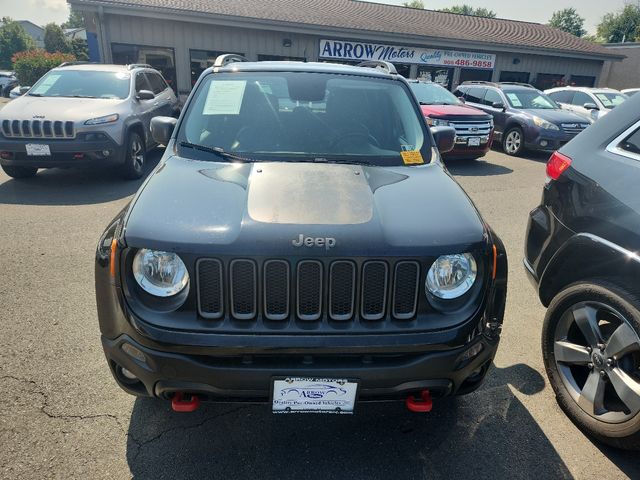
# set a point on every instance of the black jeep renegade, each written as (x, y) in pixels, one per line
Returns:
(302, 244)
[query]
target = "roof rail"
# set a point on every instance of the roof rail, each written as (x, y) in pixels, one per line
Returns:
(71, 64)
(379, 65)
(479, 82)
(227, 58)
(521, 84)
(131, 66)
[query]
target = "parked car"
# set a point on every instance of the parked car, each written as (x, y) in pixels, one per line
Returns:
(581, 253)
(16, 92)
(524, 117)
(590, 103)
(84, 114)
(273, 247)
(474, 128)
(629, 92)
(8, 81)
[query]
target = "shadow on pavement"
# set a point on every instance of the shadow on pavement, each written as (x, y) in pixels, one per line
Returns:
(475, 168)
(73, 186)
(488, 434)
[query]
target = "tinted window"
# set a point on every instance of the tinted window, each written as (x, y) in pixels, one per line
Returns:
(580, 98)
(82, 84)
(563, 96)
(529, 98)
(156, 82)
(475, 94)
(492, 97)
(632, 144)
(142, 83)
(433, 94)
(300, 116)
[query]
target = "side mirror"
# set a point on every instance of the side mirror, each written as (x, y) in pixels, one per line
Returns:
(162, 129)
(24, 90)
(145, 95)
(445, 138)
(591, 106)
(462, 100)
(498, 105)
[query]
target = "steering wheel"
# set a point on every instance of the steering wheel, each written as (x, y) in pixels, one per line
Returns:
(367, 136)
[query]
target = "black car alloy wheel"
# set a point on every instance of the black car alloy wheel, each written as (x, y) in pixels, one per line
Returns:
(592, 354)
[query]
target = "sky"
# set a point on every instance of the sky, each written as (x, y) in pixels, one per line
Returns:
(45, 11)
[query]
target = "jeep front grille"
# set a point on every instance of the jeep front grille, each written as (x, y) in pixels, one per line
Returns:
(38, 129)
(308, 290)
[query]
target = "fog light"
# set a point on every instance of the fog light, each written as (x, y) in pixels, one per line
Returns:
(106, 153)
(128, 374)
(133, 352)
(543, 143)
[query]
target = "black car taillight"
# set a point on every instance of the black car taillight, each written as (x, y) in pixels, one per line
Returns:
(557, 164)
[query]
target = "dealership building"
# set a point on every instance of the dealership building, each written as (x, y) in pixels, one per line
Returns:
(182, 38)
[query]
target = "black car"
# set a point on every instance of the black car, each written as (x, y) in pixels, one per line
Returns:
(524, 117)
(582, 254)
(300, 236)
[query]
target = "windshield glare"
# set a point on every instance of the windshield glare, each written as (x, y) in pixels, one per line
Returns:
(611, 100)
(302, 116)
(530, 99)
(82, 83)
(433, 94)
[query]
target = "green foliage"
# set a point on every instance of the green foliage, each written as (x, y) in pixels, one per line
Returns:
(568, 21)
(54, 39)
(623, 26)
(75, 20)
(469, 10)
(79, 49)
(13, 39)
(414, 4)
(33, 64)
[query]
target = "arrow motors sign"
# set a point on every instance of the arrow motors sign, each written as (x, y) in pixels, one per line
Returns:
(346, 50)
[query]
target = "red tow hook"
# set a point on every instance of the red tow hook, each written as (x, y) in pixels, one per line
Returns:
(185, 403)
(420, 406)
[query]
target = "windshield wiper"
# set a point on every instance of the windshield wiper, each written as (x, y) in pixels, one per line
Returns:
(34, 94)
(216, 151)
(332, 160)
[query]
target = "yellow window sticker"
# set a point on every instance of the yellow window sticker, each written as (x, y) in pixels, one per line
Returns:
(412, 157)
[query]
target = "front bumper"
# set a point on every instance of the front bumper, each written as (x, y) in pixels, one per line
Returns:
(547, 140)
(64, 153)
(249, 377)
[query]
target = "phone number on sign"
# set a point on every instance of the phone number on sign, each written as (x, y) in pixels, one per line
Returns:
(470, 63)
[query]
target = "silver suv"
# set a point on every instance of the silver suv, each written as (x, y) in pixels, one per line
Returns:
(85, 114)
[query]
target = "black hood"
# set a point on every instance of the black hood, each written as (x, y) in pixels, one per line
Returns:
(204, 207)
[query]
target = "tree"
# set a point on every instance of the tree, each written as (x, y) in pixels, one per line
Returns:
(75, 20)
(54, 39)
(79, 49)
(623, 26)
(568, 21)
(33, 64)
(414, 4)
(469, 10)
(13, 39)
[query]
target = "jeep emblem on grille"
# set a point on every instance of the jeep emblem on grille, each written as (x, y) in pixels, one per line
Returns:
(302, 241)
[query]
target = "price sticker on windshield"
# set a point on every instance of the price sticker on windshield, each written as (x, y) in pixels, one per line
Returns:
(412, 157)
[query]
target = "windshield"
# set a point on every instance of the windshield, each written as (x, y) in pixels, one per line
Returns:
(611, 99)
(302, 116)
(433, 94)
(82, 83)
(530, 99)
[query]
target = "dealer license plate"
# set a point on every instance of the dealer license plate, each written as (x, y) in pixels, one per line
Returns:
(38, 150)
(474, 142)
(314, 395)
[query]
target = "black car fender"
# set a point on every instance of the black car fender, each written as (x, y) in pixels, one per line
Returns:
(584, 256)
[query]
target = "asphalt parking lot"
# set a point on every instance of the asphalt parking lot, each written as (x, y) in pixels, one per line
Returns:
(63, 416)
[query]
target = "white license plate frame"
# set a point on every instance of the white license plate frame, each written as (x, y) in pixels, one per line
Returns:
(38, 150)
(313, 395)
(473, 141)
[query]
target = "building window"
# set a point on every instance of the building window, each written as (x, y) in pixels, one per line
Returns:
(518, 77)
(472, 74)
(203, 59)
(441, 76)
(403, 69)
(160, 58)
(582, 81)
(549, 80)
(279, 58)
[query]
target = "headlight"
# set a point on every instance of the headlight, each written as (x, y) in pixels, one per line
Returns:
(437, 122)
(101, 120)
(161, 274)
(451, 276)
(542, 123)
